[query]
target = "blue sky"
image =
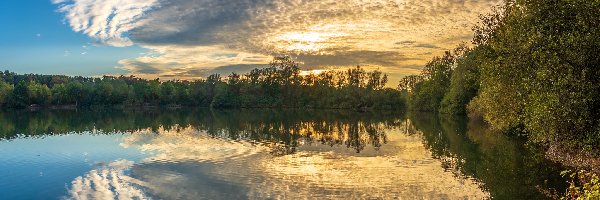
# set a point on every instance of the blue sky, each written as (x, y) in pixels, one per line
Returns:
(35, 39)
(189, 39)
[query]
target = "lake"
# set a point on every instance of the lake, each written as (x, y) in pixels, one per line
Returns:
(263, 154)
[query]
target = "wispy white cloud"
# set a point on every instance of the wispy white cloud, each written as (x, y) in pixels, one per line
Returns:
(106, 21)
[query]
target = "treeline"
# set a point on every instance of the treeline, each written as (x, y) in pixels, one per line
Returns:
(534, 68)
(290, 128)
(278, 85)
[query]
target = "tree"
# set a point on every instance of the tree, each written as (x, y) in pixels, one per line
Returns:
(5, 91)
(59, 94)
(409, 82)
(38, 93)
(541, 72)
(75, 92)
(19, 97)
(427, 95)
(464, 83)
(278, 85)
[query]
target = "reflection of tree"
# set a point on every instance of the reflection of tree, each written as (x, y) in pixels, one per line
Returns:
(507, 167)
(284, 129)
(288, 128)
(210, 167)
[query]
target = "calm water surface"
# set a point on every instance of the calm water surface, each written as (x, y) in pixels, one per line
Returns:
(262, 154)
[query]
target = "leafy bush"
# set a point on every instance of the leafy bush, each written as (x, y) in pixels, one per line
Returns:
(583, 185)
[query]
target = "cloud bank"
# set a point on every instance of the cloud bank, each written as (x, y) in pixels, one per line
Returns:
(188, 36)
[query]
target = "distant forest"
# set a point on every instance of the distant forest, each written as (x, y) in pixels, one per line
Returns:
(280, 85)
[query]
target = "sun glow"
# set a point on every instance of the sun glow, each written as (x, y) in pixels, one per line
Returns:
(305, 41)
(310, 37)
(313, 72)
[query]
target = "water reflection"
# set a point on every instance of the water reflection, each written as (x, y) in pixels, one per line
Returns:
(240, 154)
(190, 163)
(507, 167)
(107, 182)
(289, 128)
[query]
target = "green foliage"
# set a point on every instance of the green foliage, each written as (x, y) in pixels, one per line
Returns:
(464, 83)
(583, 185)
(5, 91)
(408, 83)
(427, 96)
(428, 89)
(38, 93)
(19, 97)
(542, 70)
(278, 85)
(534, 69)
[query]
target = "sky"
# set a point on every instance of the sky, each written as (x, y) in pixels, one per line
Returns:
(191, 39)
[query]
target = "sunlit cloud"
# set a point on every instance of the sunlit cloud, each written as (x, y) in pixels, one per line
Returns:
(184, 36)
(190, 62)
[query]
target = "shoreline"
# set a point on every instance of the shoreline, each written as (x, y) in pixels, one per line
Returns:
(177, 107)
(573, 158)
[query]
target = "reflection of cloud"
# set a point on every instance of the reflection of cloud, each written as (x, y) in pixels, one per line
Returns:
(189, 144)
(190, 164)
(318, 32)
(108, 182)
(407, 171)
